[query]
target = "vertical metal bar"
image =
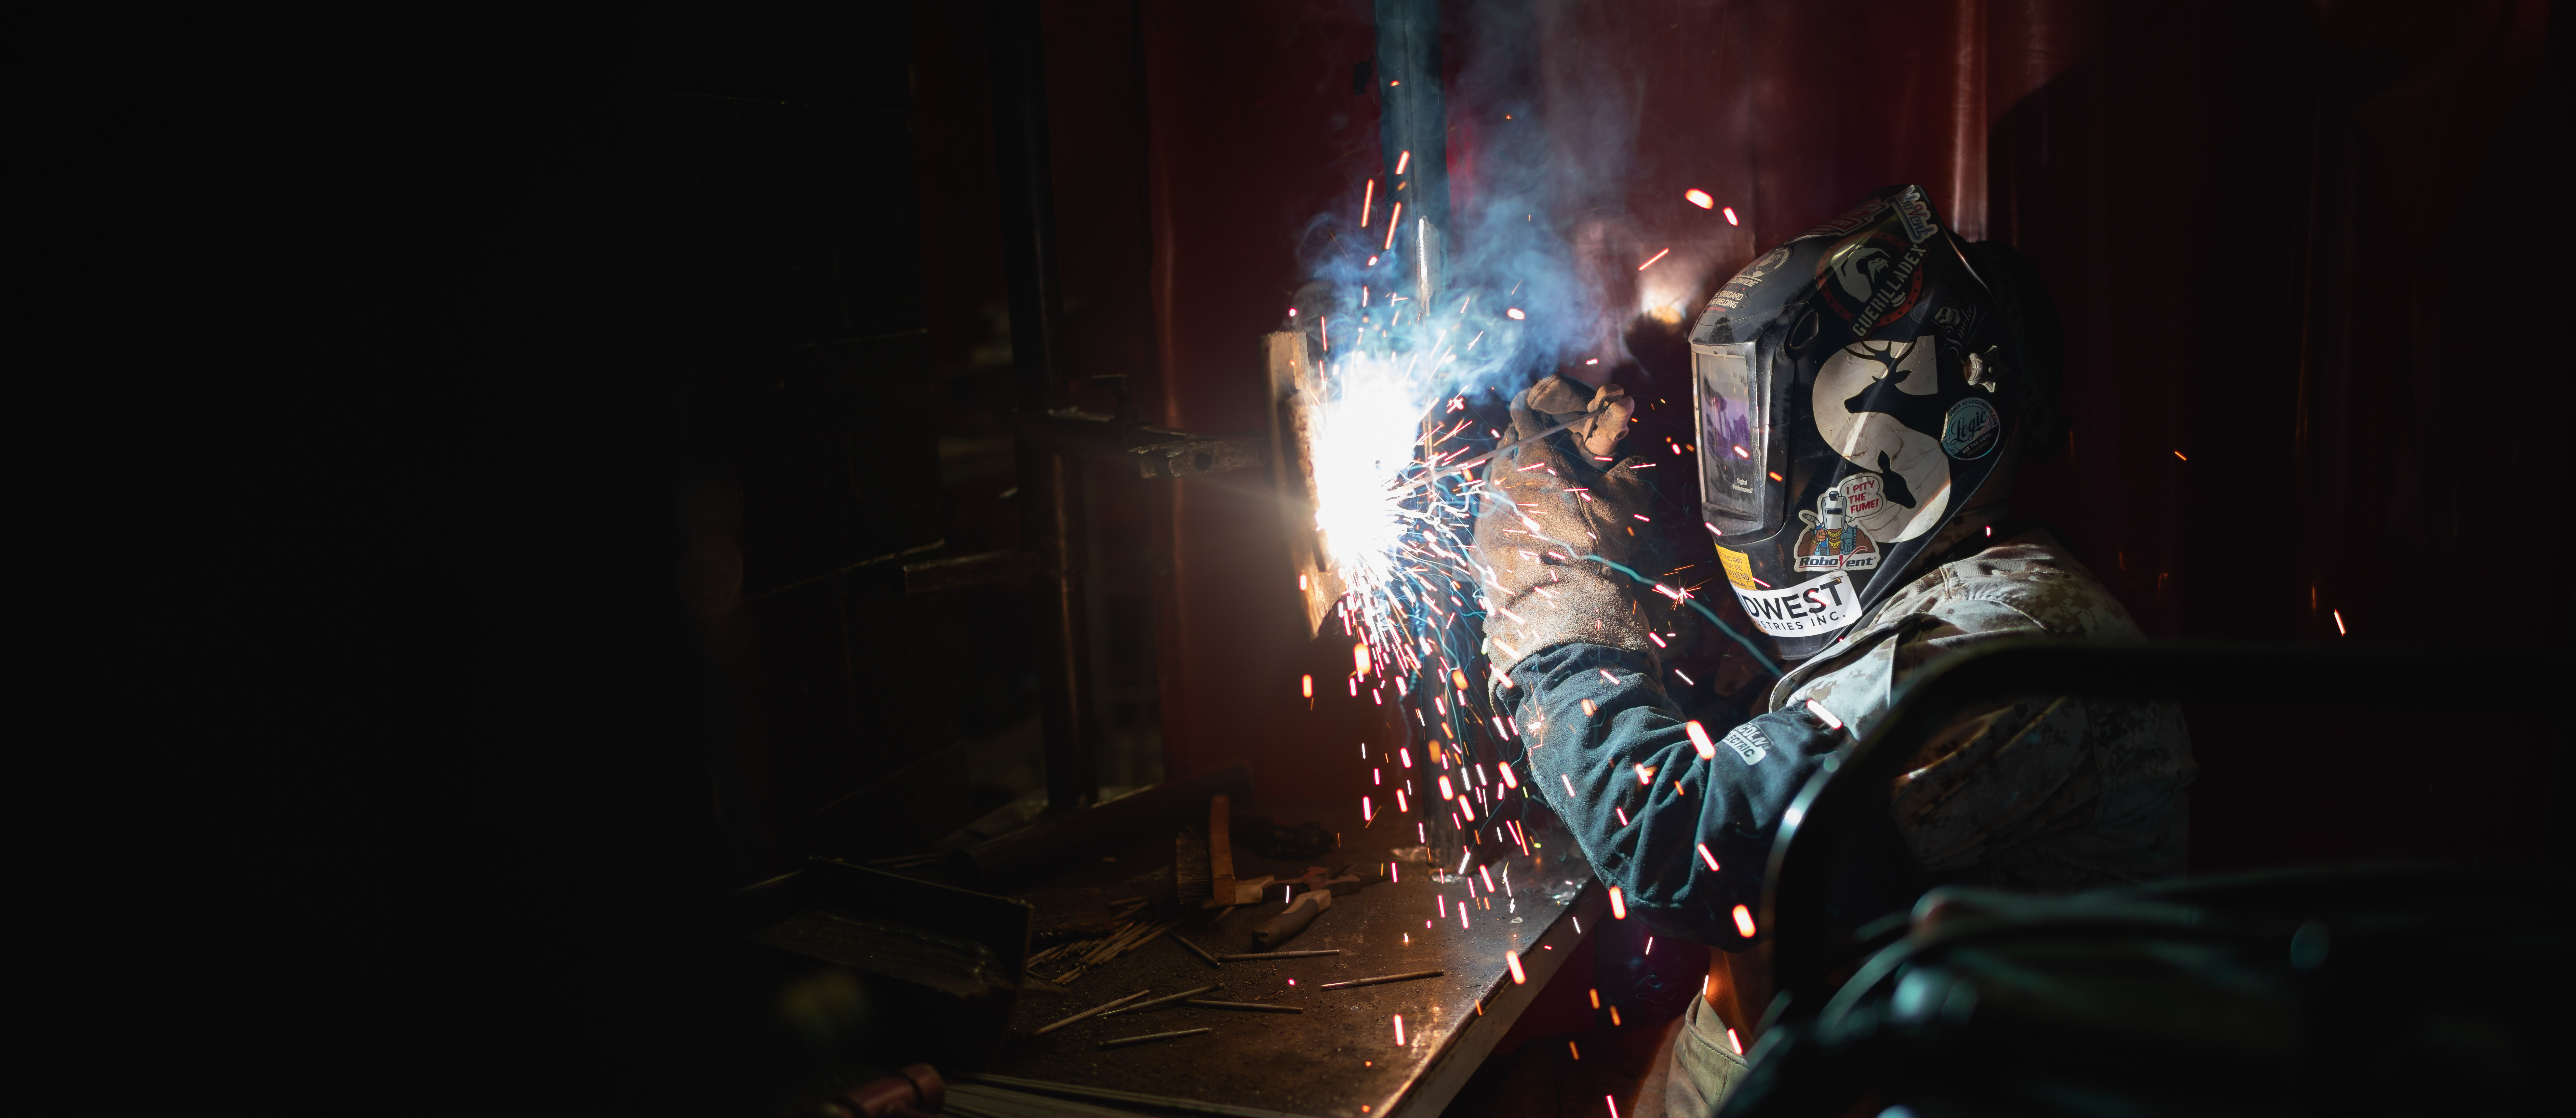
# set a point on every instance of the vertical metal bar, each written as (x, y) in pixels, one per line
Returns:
(1052, 523)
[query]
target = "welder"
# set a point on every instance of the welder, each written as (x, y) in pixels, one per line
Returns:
(1864, 394)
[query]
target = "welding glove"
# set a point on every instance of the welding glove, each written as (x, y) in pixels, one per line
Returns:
(1551, 511)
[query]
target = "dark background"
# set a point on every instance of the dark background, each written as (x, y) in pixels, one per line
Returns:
(460, 451)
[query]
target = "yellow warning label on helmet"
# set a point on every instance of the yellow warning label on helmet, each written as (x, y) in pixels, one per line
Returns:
(1739, 569)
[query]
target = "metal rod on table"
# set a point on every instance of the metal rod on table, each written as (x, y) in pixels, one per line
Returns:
(1256, 1006)
(1199, 951)
(1123, 1042)
(1382, 978)
(1166, 999)
(1091, 1012)
(1259, 955)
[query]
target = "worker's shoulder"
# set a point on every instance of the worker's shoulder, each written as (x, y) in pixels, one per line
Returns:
(2027, 585)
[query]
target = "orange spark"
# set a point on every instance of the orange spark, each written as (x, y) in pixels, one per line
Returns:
(1368, 199)
(1744, 921)
(1650, 261)
(1697, 197)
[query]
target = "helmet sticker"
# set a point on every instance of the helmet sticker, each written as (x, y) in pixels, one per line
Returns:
(1739, 567)
(1811, 608)
(1732, 295)
(1915, 212)
(1847, 221)
(1871, 278)
(1830, 542)
(1972, 429)
(1913, 472)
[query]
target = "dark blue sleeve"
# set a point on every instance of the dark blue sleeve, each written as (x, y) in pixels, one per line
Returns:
(1626, 779)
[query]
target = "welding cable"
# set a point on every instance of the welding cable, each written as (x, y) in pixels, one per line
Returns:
(1704, 611)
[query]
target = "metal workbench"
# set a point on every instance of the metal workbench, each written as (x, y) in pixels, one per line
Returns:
(1339, 1058)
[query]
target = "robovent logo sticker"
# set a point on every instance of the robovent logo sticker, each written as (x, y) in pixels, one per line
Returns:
(1748, 742)
(1811, 608)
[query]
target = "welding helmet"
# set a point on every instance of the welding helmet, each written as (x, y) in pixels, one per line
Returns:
(1853, 390)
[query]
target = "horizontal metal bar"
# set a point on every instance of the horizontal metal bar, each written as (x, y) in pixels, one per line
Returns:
(968, 570)
(1157, 451)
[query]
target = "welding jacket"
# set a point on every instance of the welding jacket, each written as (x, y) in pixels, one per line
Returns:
(2045, 794)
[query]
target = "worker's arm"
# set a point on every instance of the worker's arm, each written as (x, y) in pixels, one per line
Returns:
(1626, 779)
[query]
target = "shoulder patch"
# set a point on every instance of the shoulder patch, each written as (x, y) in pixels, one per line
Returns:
(1748, 742)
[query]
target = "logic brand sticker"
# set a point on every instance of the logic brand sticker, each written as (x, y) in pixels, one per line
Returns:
(1831, 541)
(1972, 429)
(1748, 742)
(1812, 608)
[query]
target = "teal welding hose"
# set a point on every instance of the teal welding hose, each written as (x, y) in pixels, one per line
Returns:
(1704, 611)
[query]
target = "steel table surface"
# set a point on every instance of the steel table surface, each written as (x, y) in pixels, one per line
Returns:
(1339, 1058)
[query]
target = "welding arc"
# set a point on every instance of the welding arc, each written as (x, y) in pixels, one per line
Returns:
(1166, 999)
(1481, 459)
